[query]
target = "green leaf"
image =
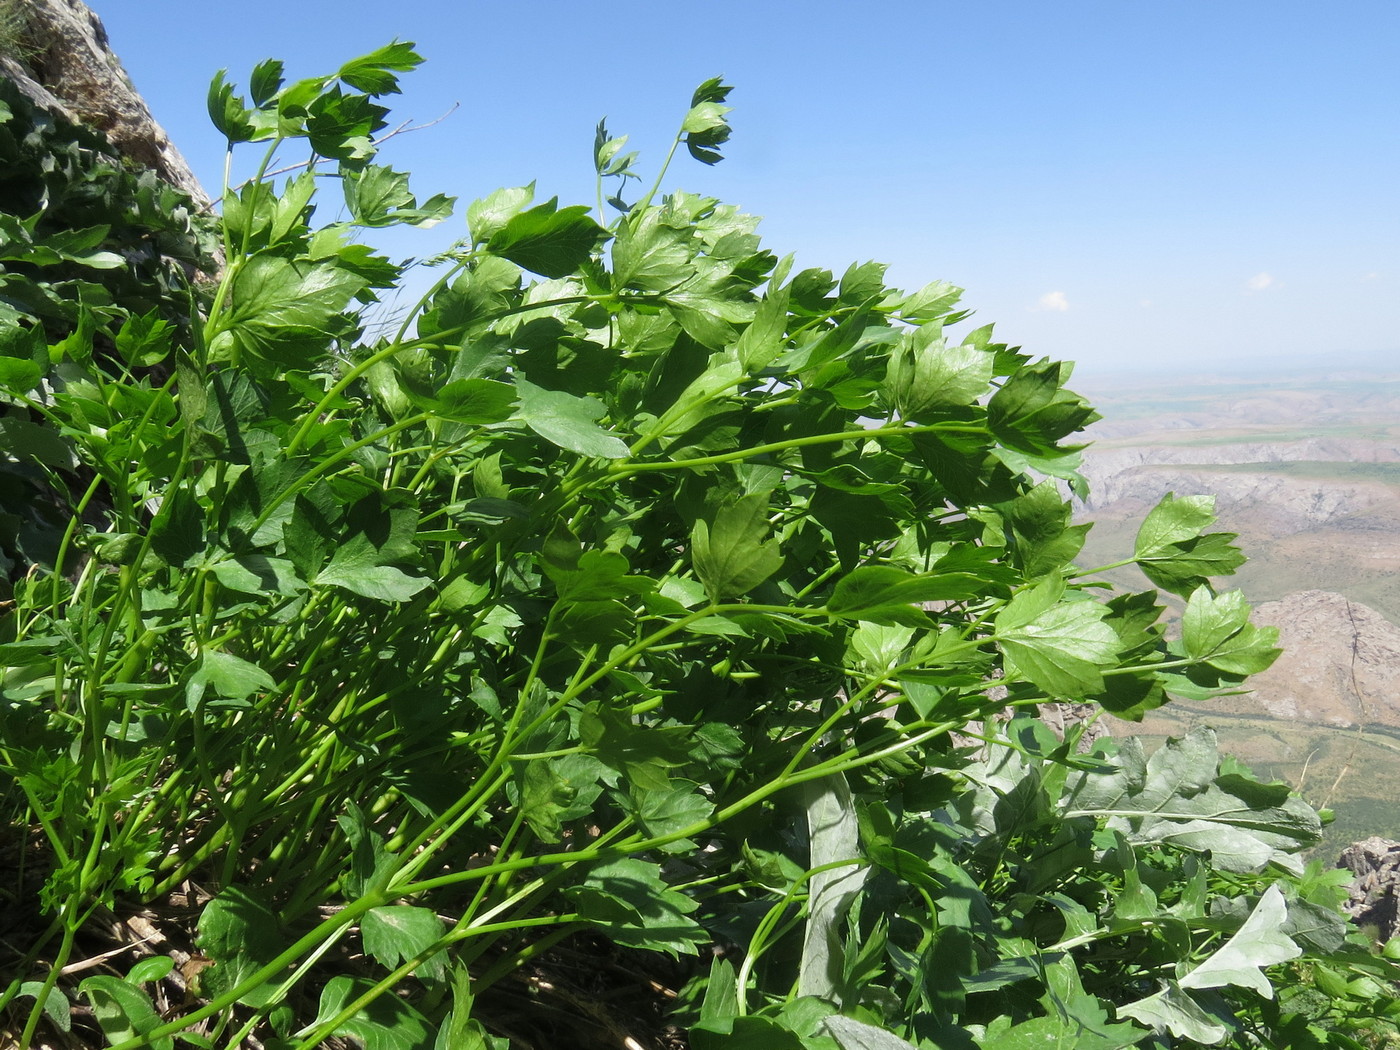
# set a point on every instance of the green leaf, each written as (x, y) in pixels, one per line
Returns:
(1039, 522)
(488, 216)
(144, 339)
(721, 1003)
(383, 583)
(1180, 797)
(55, 1004)
(1061, 646)
(1032, 411)
(630, 902)
(374, 72)
(548, 240)
(23, 440)
(152, 968)
(705, 128)
(925, 375)
(230, 677)
(474, 401)
(731, 554)
(177, 534)
(265, 82)
(568, 421)
(282, 309)
(18, 375)
(1175, 552)
(239, 930)
(884, 594)
(229, 114)
(379, 196)
(370, 861)
(857, 1035)
(1217, 631)
(385, 1023)
(641, 753)
(1174, 1010)
(123, 1011)
(397, 933)
(667, 810)
(258, 574)
(1260, 942)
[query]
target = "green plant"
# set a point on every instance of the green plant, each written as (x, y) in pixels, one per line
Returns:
(666, 593)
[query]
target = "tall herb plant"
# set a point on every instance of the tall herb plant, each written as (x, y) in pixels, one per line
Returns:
(634, 582)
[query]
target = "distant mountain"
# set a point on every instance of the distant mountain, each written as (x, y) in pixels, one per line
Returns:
(1307, 471)
(1341, 665)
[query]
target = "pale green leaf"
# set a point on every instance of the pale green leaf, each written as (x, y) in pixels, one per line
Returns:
(1260, 942)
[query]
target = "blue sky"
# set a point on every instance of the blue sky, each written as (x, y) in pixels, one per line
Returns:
(1133, 185)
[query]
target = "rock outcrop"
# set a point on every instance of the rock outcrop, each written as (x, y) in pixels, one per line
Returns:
(62, 61)
(1375, 893)
(1340, 667)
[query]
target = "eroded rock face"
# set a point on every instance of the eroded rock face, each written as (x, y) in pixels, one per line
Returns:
(1375, 894)
(66, 65)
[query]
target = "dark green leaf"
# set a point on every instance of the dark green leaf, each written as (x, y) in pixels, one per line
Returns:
(548, 240)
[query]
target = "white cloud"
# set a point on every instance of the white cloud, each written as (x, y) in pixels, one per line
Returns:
(1372, 276)
(1053, 301)
(1146, 304)
(1259, 282)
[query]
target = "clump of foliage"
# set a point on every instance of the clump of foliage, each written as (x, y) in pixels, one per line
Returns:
(94, 256)
(636, 584)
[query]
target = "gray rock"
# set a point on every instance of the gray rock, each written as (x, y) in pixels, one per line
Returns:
(1375, 893)
(64, 63)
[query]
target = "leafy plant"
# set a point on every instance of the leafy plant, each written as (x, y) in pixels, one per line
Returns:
(634, 584)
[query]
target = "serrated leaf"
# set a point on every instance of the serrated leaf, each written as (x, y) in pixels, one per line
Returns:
(398, 932)
(1179, 796)
(1217, 631)
(1173, 550)
(667, 810)
(239, 930)
(732, 554)
(488, 216)
(926, 375)
(1063, 647)
(378, 196)
(548, 240)
(385, 1023)
(374, 72)
(265, 81)
(630, 902)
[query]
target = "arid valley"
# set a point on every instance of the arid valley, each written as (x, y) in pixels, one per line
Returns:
(1306, 469)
